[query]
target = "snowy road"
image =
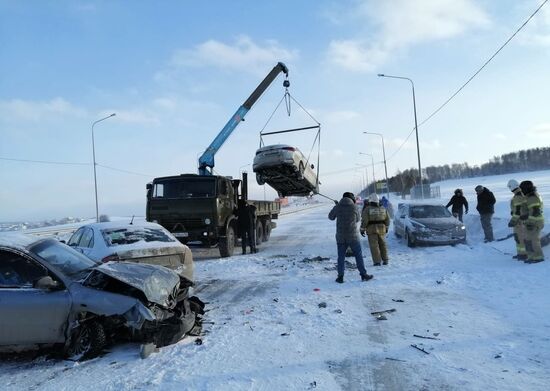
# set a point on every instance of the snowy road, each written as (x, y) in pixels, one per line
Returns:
(268, 329)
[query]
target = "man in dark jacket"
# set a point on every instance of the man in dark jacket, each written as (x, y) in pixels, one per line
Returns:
(486, 207)
(246, 221)
(459, 203)
(347, 216)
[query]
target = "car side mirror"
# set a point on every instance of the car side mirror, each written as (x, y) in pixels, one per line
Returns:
(149, 186)
(62, 241)
(46, 283)
(312, 166)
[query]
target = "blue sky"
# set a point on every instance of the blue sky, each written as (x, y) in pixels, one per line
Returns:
(175, 71)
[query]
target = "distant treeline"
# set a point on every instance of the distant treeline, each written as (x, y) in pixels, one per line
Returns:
(525, 160)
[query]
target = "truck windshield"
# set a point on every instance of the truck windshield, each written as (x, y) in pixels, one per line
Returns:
(185, 188)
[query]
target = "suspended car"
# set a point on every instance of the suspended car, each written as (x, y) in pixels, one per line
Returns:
(286, 169)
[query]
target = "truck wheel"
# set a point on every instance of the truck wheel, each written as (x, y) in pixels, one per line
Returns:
(227, 243)
(259, 233)
(88, 341)
(260, 179)
(267, 230)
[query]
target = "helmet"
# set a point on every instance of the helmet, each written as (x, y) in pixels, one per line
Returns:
(374, 198)
(527, 187)
(458, 191)
(513, 184)
(478, 188)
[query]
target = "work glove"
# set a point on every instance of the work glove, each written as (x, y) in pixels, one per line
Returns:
(387, 229)
(466, 212)
(335, 202)
(512, 223)
(362, 232)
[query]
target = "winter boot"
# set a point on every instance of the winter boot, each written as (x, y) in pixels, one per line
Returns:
(340, 279)
(366, 277)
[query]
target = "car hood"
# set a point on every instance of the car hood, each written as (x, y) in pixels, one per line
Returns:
(158, 283)
(439, 222)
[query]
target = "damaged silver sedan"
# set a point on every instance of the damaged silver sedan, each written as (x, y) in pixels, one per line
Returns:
(51, 294)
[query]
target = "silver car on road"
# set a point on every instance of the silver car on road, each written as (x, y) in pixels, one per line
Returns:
(424, 223)
(51, 294)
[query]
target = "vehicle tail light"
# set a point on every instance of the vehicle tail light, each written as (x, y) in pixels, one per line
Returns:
(109, 258)
(289, 149)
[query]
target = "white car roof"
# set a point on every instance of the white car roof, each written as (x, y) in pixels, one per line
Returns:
(122, 224)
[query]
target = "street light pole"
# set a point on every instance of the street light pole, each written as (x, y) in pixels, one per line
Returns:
(372, 161)
(95, 177)
(415, 127)
(385, 166)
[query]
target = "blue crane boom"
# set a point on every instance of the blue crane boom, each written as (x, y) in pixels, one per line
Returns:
(206, 161)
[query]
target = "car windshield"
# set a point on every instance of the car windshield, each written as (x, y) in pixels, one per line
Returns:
(70, 262)
(129, 235)
(429, 211)
(185, 188)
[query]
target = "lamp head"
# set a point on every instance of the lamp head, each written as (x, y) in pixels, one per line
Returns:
(381, 75)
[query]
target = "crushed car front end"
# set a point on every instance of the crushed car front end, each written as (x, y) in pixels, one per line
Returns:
(437, 233)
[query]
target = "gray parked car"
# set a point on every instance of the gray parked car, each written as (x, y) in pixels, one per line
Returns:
(51, 294)
(286, 169)
(423, 223)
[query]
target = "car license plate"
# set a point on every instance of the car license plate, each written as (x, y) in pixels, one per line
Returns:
(181, 234)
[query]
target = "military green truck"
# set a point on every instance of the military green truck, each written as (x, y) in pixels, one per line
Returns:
(202, 209)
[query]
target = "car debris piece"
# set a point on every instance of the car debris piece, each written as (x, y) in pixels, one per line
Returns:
(383, 312)
(419, 348)
(398, 300)
(381, 317)
(198, 341)
(425, 337)
(318, 258)
(147, 349)
(394, 359)
(322, 304)
(285, 334)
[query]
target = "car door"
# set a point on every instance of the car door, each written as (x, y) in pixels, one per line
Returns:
(400, 220)
(86, 242)
(29, 315)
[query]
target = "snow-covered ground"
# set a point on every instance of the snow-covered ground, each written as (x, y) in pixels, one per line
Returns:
(268, 327)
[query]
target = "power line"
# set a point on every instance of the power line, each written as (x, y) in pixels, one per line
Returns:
(74, 164)
(125, 171)
(471, 77)
(46, 162)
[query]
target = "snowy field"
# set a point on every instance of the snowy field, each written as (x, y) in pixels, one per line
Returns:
(278, 321)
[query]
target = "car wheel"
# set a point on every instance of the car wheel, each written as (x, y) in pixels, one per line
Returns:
(260, 180)
(227, 244)
(259, 233)
(409, 238)
(88, 341)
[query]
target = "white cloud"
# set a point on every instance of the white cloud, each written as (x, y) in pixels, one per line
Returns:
(500, 136)
(135, 116)
(38, 110)
(540, 130)
(400, 24)
(243, 55)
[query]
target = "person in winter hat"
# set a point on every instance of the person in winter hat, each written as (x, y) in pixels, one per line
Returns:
(347, 216)
(374, 223)
(486, 208)
(533, 221)
(518, 208)
(459, 203)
